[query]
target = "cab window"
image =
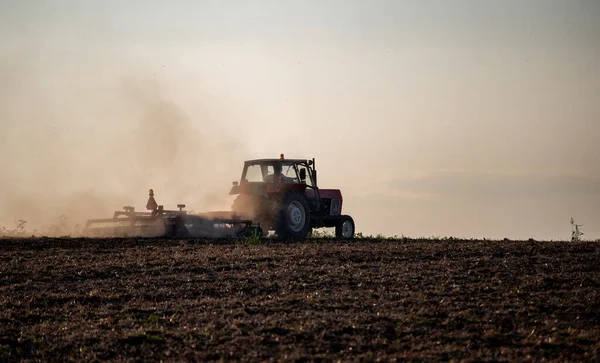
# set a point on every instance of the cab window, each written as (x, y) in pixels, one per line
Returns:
(268, 173)
(254, 174)
(289, 172)
(308, 180)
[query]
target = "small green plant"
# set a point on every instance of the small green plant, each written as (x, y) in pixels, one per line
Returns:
(254, 240)
(251, 238)
(575, 232)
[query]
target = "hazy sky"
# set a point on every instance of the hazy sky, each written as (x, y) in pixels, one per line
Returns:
(435, 118)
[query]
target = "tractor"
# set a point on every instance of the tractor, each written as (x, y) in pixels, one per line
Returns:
(282, 195)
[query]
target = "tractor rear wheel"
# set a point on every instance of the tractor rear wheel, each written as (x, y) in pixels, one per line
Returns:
(345, 228)
(294, 217)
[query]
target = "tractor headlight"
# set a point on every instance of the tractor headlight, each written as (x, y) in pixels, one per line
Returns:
(334, 209)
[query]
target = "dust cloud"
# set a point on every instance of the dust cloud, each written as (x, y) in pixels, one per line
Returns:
(76, 147)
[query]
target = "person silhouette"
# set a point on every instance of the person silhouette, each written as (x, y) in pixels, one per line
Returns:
(151, 205)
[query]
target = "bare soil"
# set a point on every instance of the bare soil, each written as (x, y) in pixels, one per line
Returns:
(153, 299)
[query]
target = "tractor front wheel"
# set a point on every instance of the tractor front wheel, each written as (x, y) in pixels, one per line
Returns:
(294, 217)
(345, 228)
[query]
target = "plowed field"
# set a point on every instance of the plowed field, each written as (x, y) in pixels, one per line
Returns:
(152, 299)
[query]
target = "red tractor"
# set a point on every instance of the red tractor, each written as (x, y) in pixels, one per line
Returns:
(282, 195)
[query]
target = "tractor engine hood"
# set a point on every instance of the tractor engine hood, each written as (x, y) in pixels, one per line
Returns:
(330, 193)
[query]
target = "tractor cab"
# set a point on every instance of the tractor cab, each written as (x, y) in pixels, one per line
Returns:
(275, 176)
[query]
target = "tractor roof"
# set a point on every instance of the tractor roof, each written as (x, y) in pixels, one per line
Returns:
(292, 161)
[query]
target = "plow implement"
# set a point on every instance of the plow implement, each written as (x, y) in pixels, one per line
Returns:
(159, 222)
